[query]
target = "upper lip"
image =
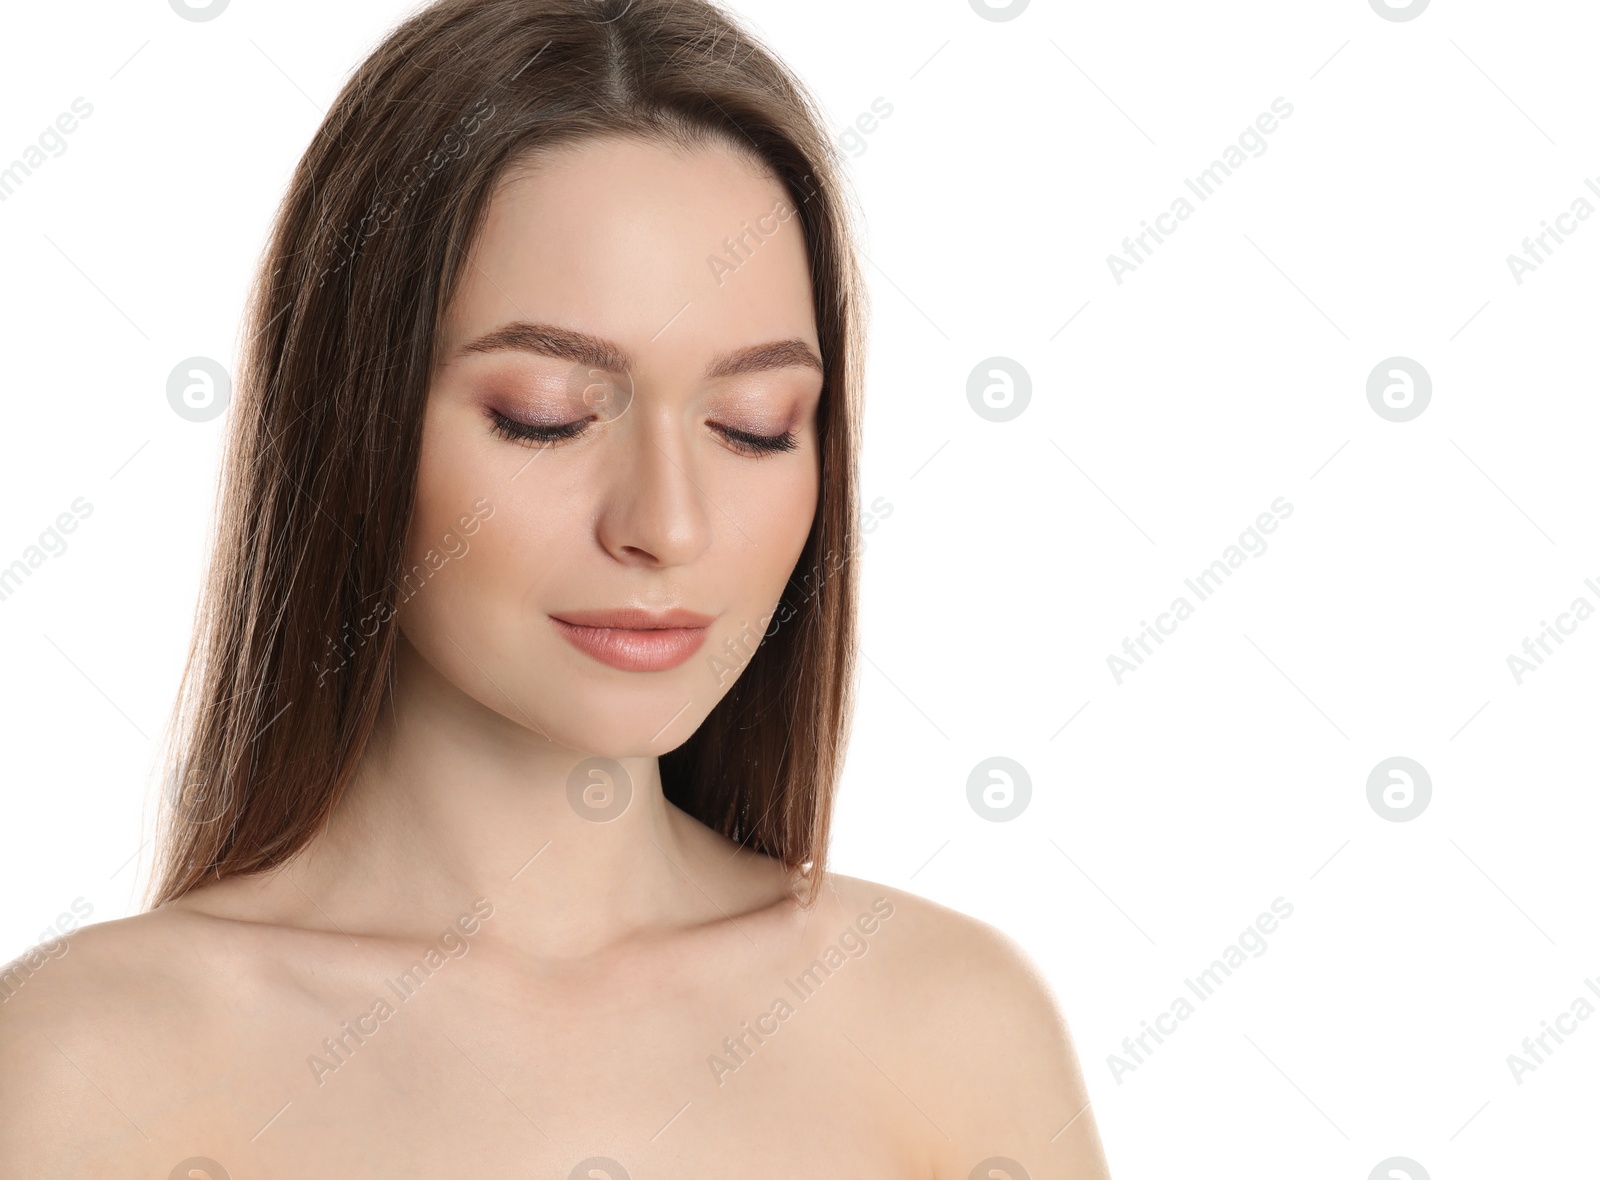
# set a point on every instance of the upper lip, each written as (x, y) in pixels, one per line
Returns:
(633, 618)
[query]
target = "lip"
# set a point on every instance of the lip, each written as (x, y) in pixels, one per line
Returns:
(633, 618)
(634, 639)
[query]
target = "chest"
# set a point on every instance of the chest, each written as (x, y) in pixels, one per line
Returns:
(655, 1076)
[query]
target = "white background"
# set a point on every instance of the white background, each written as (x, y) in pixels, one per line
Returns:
(1226, 371)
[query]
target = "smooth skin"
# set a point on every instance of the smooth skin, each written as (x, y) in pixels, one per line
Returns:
(585, 1014)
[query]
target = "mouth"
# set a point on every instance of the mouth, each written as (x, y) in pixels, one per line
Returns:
(635, 640)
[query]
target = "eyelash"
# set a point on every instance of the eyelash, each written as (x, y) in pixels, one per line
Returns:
(755, 445)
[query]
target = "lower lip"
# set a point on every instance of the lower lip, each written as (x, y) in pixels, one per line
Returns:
(634, 651)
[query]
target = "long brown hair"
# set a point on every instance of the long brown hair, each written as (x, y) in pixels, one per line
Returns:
(287, 669)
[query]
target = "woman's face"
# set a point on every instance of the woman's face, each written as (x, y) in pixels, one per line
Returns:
(623, 417)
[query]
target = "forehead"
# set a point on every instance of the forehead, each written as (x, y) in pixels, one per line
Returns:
(674, 253)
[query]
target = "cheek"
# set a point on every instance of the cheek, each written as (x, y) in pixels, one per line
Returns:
(454, 540)
(780, 512)
(490, 570)
(446, 489)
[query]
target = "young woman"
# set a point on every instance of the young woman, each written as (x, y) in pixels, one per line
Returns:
(499, 797)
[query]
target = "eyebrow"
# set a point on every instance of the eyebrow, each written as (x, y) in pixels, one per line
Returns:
(583, 349)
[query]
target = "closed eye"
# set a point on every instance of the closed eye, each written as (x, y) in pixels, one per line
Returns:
(764, 444)
(515, 431)
(755, 445)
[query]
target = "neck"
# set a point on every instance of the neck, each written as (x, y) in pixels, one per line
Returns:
(453, 802)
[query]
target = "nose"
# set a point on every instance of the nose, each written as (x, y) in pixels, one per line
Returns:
(655, 513)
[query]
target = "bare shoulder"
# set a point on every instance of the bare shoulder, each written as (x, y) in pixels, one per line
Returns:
(111, 1025)
(926, 929)
(101, 977)
(974, 1030)
(942, 959)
